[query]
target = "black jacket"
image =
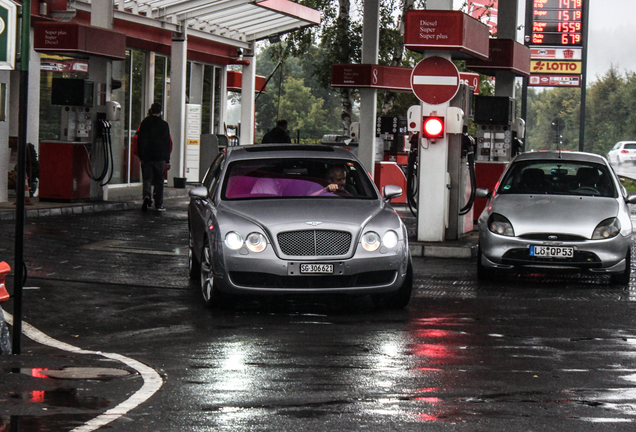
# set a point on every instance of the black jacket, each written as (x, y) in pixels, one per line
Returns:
(275, 136)
(153, 140)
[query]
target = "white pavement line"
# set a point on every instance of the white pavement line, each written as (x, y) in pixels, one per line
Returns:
(152, 380)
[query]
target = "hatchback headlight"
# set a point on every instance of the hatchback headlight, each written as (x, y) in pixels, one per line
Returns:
(256, 242)
(371, 241)
(390, 239)
(607, 229)
(500, 225)
(233, 240)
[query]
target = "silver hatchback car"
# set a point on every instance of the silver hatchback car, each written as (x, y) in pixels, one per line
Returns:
(296, 219)
(559, 211)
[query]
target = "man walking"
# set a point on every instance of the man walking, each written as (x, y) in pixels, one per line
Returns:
(153, 148)
(278, 134)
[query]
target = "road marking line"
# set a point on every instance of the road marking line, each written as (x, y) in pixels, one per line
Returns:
(152, 380)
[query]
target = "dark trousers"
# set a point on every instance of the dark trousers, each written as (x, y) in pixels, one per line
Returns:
(152, 174)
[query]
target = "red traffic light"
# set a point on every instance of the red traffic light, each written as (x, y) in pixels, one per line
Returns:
(433, 127)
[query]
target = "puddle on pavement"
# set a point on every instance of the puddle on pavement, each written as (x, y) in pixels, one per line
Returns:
(62, 398)
(89, 373)
(52, 423)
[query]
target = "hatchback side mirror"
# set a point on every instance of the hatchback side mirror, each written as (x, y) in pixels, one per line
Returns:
(631, 199)
(483, 193)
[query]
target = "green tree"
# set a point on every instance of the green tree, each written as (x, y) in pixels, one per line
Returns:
(547, 106)
(609, 109)
(302, 110)
(290, 75)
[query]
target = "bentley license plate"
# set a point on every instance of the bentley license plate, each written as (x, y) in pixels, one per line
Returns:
(551, 252)
(316, 268)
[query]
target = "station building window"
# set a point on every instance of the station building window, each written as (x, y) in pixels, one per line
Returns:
(211, 106)
(133, 73)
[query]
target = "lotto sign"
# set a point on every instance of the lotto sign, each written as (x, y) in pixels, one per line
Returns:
(435, 80)
(555, 67)
(7, 34)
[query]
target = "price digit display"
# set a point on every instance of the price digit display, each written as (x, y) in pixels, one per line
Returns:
(557, 22)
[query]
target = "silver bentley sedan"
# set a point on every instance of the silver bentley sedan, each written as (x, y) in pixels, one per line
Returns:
(559, 211)
(296, 219)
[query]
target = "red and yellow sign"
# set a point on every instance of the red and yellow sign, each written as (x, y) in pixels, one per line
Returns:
(555, 67)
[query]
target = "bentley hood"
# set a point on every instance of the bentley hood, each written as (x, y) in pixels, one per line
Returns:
(276, 216)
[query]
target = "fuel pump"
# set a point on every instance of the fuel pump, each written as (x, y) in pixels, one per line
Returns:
(83, 154)
(498, 141)
(391, 156)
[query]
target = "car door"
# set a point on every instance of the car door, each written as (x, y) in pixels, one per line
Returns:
(202, 212)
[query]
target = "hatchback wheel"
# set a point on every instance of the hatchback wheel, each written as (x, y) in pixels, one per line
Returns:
(623, 277)
(194, 267)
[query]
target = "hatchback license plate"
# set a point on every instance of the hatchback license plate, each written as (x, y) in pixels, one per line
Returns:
(316, 268)
(551, 252)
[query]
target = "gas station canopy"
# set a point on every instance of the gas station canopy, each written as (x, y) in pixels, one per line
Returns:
(236, 22)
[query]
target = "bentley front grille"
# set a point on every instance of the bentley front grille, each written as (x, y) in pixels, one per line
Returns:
(314, 242)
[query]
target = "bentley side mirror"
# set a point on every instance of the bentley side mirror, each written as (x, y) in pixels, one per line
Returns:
(200, 192)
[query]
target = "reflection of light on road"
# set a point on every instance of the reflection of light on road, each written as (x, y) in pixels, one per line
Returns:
(431, 400)
(433, 351)
(389, 351)
(37, 396)
(235, 361)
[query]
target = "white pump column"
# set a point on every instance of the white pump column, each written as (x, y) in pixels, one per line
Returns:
(176, 113)
(369, 96)
(101, 73)
(247, 97)
(433, 177)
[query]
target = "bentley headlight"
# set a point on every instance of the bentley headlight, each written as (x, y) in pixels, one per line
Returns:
(256, 242)
(607, 229)
(371, 241)
(500, 225)
(390, 239)
(233, 240)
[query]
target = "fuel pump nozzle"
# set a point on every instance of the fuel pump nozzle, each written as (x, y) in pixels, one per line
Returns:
(468, 151)
(105, 145)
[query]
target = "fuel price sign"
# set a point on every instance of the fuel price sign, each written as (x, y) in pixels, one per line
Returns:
(557, 22)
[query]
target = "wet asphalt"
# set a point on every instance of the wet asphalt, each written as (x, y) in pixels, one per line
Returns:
(523, 353)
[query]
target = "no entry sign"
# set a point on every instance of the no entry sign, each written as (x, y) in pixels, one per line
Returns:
(435, 80)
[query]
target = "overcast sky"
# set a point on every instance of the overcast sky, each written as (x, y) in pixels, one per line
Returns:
(611, 37)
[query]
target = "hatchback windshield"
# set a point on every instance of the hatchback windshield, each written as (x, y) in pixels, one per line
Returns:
(294, 178)
(558, 178)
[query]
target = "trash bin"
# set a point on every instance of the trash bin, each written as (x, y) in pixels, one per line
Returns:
(180, 182)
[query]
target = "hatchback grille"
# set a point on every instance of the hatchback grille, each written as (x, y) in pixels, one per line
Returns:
(314, 242)
(553, 237)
